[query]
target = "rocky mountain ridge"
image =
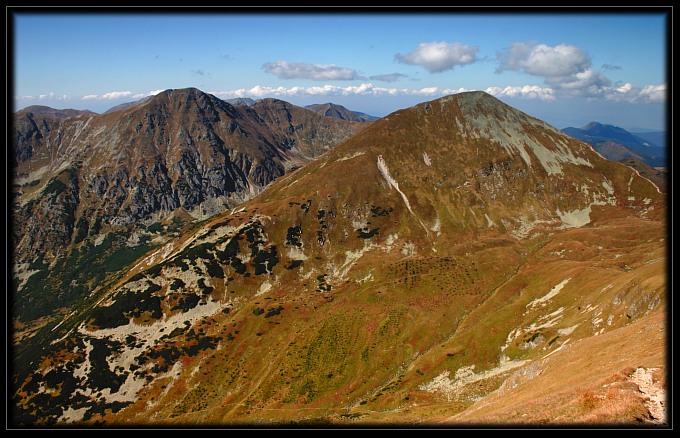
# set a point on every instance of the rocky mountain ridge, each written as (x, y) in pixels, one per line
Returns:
(445, 253)
(617, 144)
(86, 180)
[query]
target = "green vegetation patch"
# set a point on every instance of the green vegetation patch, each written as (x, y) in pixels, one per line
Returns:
(73, 277)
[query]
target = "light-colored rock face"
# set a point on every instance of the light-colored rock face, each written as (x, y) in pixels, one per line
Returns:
(518, 134)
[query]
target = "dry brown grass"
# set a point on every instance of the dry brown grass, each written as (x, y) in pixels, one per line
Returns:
(577, 385)
(621, 404)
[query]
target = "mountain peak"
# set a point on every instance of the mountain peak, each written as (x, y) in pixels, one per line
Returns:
(470, 102)
(181, 100)
(474, 95)
(479, 97)
(273, 101)
(616, 143)
(181, 91)
(241, 101)
(42, 110)
(596, 127)
(334, 110)
(183, 94)
(592, 125)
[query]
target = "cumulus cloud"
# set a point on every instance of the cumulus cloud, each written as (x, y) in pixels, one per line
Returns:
(366, 89)
(150, 93)
(51, 96)
(543, 60)
(628, 93)
(567, 71)
(392, 77)
(437, 57)
(527, 91)
(317, 72)
(587, 83)
(261, 91)
(565, 68)
(654, 93)
(113, 95)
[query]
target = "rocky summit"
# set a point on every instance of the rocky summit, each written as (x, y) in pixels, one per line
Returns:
(458, 262)
(93, 192)
(340, 112)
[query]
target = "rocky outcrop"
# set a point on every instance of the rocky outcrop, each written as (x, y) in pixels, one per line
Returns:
(79, 176)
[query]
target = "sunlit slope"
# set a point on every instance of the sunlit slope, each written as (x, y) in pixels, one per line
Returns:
(398, 278)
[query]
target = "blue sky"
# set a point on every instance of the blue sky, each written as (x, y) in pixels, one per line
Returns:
(567, 69)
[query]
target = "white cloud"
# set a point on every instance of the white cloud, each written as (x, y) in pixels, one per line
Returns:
(427, 90)
(366, 89)
(527, 91)
(392, 77)
(628, 93)
(260, 91)
(150, 93)
(565, 68)
(112, 95)
(543, 60)
(654, 93)
(437, 57)
(317, 72)
(625, 88)
(587, 83)
(51, 96)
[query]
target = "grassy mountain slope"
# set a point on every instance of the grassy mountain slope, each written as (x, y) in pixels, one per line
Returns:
(401, 277)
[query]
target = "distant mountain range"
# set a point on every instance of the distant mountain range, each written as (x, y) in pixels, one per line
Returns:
(127, 105)
(323, 109)
(656, 138)
(45, 111)
(242, 101)
(617, 144)
(340, 112)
